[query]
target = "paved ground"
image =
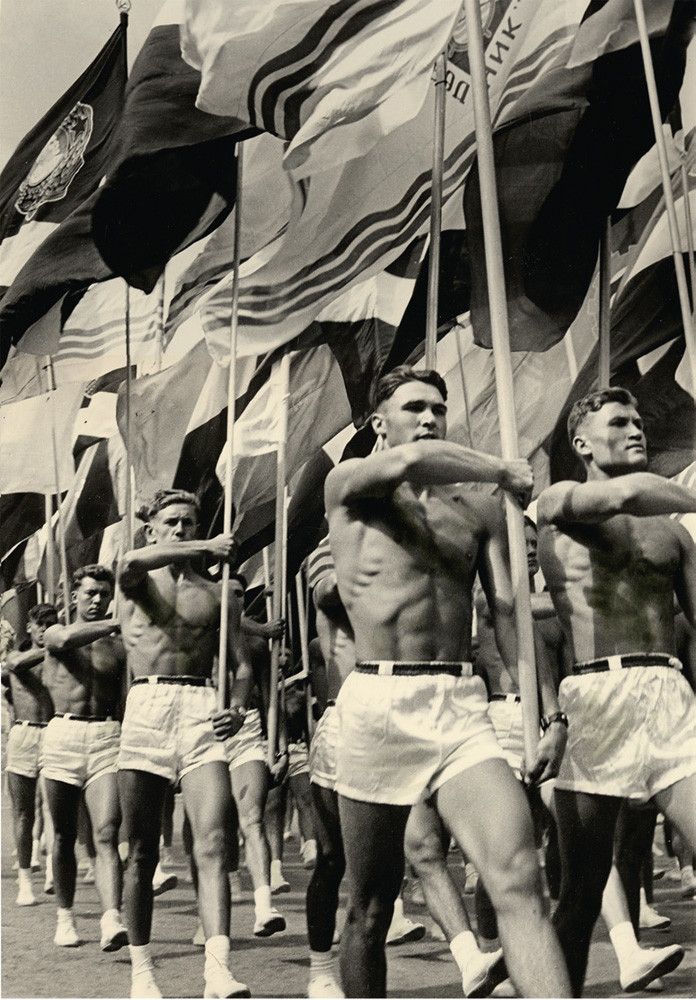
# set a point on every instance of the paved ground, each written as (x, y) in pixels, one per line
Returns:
(276, 967)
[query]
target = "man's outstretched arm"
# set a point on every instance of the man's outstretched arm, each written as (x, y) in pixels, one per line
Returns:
(17, 662)
(641, 494)
(59, 638)
(422, 463)
(134, 566)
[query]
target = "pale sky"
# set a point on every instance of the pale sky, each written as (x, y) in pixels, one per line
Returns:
(45, 45)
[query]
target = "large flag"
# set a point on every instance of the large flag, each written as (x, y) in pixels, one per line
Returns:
(562, 165)
(61, 161)
(47, 422)
(352, 223)
(173, 175)
(331, 78)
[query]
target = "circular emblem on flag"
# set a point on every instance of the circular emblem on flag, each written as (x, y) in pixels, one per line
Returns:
(59, 161)
(460, 37)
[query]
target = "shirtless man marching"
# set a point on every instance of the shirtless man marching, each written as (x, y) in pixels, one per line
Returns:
(33, 708)
(171, 730)
(413, 720)
(613, 564)
(83, 672)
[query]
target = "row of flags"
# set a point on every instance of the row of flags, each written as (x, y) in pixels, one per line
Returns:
(122, 200)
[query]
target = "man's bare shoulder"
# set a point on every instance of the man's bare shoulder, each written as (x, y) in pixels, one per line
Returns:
(551, 500)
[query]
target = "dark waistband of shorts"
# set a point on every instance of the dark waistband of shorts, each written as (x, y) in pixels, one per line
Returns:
(186, 680)
(83, 718)
(623, 661)
(414, 668)
(506, 697)
(26, 722)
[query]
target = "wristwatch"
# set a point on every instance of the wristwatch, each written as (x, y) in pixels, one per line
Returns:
(548, 720)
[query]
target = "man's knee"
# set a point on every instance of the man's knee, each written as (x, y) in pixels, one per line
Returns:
(423, 849)
(512, 876)
(210, 847)
(251, 818)
(370, 917)
(105, 833)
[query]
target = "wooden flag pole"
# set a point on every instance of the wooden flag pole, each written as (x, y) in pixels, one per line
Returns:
(436, 211)
(687, 318)
(304, 647)
(222, 686)
(50, 550)
(65, 577)
(267, 585)
(503, 377)
(689, 233)
(605, 307)
(278, 591)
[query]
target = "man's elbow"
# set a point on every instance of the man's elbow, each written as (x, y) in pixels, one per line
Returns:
(56, 641)
(128, 570)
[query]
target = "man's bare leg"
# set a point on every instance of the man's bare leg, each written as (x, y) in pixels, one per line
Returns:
(64, 805)
(488, 797)
(678, 803)
(250, 783)
(23, 796)
(373, 840)
(322, 892)
(103, 805)
(206, 792)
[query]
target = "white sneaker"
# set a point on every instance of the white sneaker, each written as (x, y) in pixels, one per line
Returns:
(405, 930)
(163, 881)
(484, 972)
(25, 896)
(113, 934)
(66, 935)
(88, 877)
(270, 922)
(651, 920)
(324, 987)
(199, 937)
(221, 983)
(309, 853)
(648, 964)
(279, 883)
(144, 985)
(504, 989)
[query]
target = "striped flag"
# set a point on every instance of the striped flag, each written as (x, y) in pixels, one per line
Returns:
(352, 223)
(330, 77)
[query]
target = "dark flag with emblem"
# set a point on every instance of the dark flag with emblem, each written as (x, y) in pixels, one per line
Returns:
(62, 160)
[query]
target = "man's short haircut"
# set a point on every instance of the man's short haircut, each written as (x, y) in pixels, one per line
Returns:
(95, 571)
(593, 402)
(402, 375)
(43, 614)
(165, 498)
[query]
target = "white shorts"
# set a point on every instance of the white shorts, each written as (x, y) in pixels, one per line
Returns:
(249, 743)
(506, 716)
(23, 752)
(402, 737)
(322, 753)
(632, 732)
(78, 752)
(298, 759)
(167, 730)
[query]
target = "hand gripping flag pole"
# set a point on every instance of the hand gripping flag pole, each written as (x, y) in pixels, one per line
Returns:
(687, 318)
(435, 212)
(222, 687)
(278, 574)
(503, 377)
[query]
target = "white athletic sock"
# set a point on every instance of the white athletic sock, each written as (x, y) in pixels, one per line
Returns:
(141, 958)
(276, 868)
(464, 947)
(217, 953)
(262, 899)
(623, 939)
(24, 876)
(321, 963)
(111, 915)
(398, 909)
(64, 916)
